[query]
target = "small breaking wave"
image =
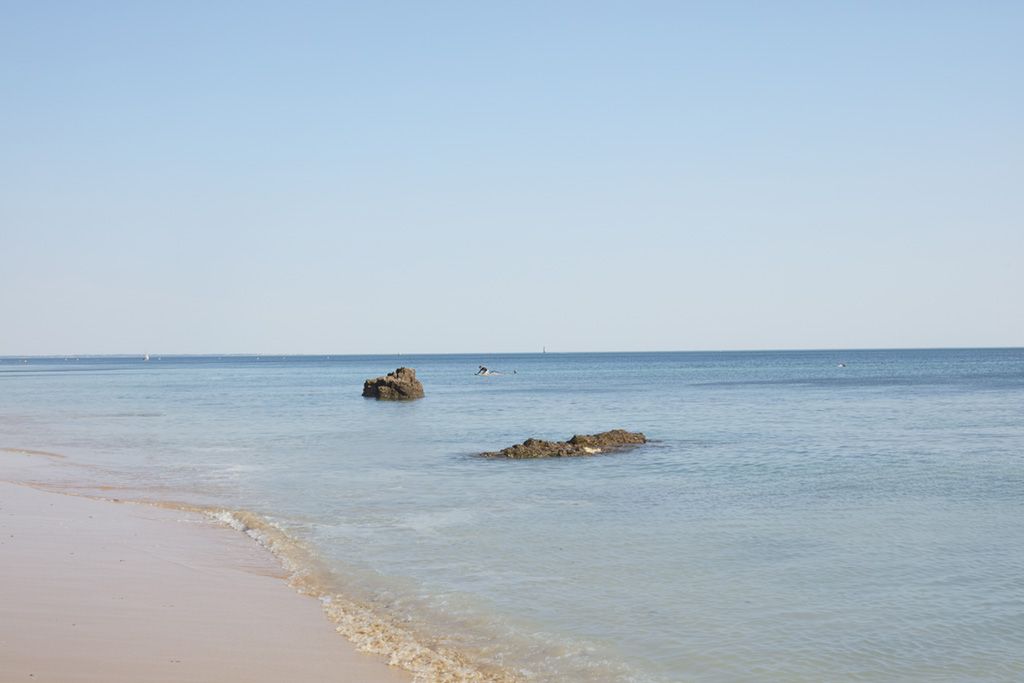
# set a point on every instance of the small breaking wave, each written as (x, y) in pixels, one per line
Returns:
(431, 645)
(29, 451)
(368, 629)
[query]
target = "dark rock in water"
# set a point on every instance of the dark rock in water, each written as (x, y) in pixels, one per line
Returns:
(400, 385)
(616, 438)
(580, 444)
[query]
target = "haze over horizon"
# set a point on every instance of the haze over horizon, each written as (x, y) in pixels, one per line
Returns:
(270, 356)
(404, 178)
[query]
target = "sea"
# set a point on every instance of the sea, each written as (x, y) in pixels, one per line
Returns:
(795, 516)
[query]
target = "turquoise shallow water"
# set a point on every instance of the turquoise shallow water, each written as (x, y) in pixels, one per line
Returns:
(791, 520)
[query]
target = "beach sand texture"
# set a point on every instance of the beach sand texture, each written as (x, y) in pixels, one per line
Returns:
(93, 590)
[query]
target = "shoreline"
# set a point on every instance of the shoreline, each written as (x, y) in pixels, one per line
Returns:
(94, 590)
(365, 633)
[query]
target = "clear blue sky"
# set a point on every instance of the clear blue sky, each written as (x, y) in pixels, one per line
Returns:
(429, 177)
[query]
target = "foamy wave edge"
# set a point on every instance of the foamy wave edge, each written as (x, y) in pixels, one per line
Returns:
(367, 629)
(31, 452)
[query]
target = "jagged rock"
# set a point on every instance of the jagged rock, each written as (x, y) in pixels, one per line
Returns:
(400, 385)
(616, 438)
(579, 444)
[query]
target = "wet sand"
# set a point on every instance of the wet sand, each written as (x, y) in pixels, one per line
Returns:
(94, 590)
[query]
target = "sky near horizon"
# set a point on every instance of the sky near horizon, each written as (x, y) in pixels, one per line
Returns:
(379, 177)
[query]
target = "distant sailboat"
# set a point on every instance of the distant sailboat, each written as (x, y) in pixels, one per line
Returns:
(145, 357)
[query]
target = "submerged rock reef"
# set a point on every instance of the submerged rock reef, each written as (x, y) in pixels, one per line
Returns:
(579, 444)
(400, 385)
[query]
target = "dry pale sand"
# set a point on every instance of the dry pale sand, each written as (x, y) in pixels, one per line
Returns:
(99, 591)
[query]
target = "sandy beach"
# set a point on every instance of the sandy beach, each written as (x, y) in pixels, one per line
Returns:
(93, 590)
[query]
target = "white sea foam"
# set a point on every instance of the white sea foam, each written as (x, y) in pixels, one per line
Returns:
(368, 629)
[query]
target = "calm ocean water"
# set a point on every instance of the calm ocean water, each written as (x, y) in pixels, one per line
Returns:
(792, 520)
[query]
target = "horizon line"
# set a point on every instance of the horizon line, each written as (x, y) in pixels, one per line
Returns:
(247, 354)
